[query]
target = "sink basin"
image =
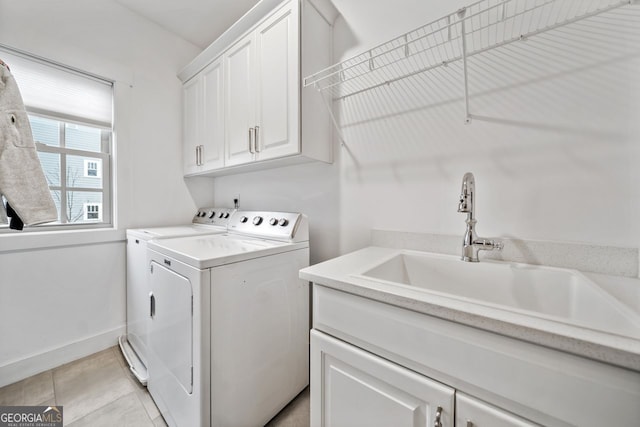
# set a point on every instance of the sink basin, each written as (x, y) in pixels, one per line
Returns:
(553, 293)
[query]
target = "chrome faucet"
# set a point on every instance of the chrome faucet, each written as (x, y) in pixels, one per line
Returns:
(472, 243)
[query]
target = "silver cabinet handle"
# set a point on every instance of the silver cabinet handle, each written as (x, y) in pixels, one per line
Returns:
(152, 305)
(199, 152)
(438, 420)
(257, 143)
(201, 155)
(252, 140)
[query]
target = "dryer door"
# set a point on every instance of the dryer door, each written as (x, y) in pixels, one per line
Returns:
(170, 337)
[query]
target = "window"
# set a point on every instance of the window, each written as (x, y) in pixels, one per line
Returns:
(70, 113)
(80, 151)
(92, 211)
(92, 168)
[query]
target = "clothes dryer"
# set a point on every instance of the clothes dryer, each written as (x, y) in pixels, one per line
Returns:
(134, 344)
(228, 342)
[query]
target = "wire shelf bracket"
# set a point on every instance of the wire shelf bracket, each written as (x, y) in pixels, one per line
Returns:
(472, 30)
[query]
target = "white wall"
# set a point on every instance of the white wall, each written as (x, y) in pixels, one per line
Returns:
(67, 300)
(555, 155)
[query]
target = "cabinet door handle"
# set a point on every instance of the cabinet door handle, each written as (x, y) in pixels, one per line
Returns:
(257, 138)
(438, 420)
(252, 141)
(201, 155)
(152, 304)
(199, 150)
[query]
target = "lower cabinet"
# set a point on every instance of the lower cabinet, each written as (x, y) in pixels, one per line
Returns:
(471, 412)
(351, 387)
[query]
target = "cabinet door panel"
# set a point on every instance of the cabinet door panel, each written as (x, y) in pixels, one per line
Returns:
(351, 387)
(278, 85)
(191, 119)
(471, 412)
(240, 100)
(213, 116)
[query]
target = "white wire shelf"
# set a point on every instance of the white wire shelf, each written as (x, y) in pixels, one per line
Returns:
(472, 30)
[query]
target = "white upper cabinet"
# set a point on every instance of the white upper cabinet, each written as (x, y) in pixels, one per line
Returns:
(277, 88)
(203, 121)
(212, 152)
(240, 95)
(191, 122)
(260, 117)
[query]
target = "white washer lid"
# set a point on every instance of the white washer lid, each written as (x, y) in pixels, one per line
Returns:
(220, 249)
(174, 231)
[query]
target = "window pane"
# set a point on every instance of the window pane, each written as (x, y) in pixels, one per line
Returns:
(55, 194)
(84, 206)
(82, 137)
(84, 172)
(51, 167)
(46, 131)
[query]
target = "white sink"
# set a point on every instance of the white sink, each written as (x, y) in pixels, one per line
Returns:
(553, 293)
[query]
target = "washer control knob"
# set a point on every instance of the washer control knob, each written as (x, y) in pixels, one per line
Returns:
(283, 222)
(212, 214)
(243, 219)
(226, 215)
(221, 215)
(273, 221)
(257, 220)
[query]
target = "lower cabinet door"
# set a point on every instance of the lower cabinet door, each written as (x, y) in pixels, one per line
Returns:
(471, 412)
(351, 387)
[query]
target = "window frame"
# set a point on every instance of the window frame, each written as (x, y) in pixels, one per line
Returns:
(105, 156)
(105, 169)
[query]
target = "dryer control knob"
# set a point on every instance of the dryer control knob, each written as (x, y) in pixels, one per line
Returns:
(257, 220)
(221, 215)
(283, 222)
(244, 219)
(273, 221)
(212, 214)
(226, 215)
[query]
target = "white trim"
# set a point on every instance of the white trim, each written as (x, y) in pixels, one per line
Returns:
(31, 365)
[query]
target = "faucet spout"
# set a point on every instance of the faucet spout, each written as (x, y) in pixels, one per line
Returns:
(467, 193)
(471, 243)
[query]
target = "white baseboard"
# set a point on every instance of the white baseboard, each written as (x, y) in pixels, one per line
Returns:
(14, 371)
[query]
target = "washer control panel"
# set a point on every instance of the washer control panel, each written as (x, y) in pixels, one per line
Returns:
(213, 216)
(286, 226)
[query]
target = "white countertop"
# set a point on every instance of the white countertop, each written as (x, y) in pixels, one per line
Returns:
(618, 349)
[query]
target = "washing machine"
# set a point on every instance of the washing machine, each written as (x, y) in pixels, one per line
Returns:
(134, 344)
(229, 329)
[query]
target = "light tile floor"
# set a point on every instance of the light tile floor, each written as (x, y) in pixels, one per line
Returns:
(99, 390)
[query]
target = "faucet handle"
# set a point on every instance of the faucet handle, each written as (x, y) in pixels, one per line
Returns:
(489, 244)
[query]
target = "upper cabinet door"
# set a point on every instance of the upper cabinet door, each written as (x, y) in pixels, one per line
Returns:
(278, 84)
(191, 119)
(212, 151)
(239, 65)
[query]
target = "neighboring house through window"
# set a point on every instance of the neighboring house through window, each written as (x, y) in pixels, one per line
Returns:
(92, 211)
(92, 168)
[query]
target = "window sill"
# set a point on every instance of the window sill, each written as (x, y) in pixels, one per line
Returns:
(37, 240)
